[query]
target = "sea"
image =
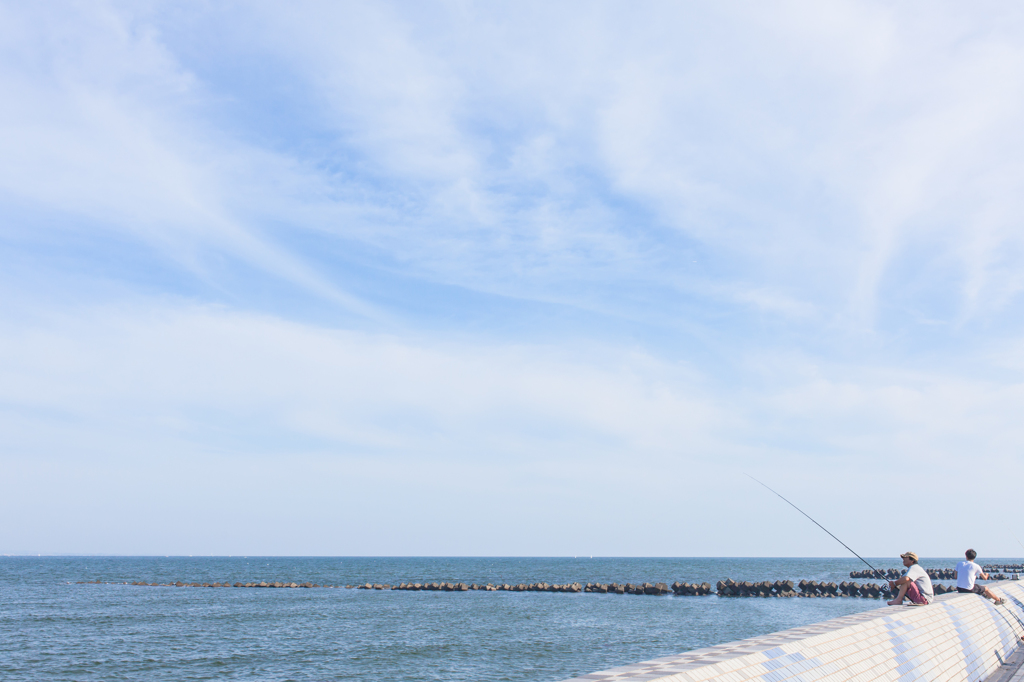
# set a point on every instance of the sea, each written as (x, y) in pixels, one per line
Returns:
(52, 627)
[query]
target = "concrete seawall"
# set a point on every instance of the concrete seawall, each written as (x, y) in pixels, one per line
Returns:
(958, 637)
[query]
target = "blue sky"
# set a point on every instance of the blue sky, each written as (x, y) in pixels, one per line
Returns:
(522, 279)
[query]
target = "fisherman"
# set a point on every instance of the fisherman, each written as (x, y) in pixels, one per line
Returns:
(967, 574)
(915, 584)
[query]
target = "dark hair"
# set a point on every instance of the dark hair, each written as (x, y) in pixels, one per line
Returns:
(971, 555)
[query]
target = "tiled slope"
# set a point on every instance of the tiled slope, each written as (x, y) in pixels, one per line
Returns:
(959, 637)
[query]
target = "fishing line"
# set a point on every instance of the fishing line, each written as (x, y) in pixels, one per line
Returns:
(1017, 539)
(822, 527)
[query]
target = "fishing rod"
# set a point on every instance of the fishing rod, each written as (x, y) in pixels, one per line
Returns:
(822, 527)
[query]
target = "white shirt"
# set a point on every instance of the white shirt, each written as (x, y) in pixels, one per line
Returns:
(966, 573)
(924, 583)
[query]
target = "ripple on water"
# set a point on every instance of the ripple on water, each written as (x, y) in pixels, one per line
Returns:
(56, 631)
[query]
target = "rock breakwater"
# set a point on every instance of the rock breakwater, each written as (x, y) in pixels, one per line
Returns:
(933, 573)
(811, 588)
(724, 588)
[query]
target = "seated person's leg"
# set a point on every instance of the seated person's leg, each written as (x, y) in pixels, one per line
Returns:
(991, 595)
(914, 594)
(898, 599)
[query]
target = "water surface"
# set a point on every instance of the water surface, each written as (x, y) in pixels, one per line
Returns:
(50, 629)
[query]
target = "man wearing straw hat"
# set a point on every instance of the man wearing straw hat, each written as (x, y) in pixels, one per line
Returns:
(915, 584)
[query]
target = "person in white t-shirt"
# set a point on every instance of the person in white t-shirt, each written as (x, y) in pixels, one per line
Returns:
(915, 584)
(967, 574)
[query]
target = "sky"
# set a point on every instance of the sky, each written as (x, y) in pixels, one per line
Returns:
(511, 279)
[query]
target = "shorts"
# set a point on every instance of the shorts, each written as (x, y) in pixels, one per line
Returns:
(914, 594)
(977, 589)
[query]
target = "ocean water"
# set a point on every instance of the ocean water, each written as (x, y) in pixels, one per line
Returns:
(54, 629)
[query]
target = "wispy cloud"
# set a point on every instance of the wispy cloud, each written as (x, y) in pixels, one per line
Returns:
(220, 392)
(105, 130)
(559, 239)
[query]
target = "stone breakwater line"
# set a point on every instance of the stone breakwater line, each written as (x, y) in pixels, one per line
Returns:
(933, 573)
(724, 588)
(812, 588)
(615, 588)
